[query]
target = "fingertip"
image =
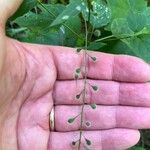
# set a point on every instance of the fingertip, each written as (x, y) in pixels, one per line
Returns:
(119, 139)
(132, 138)
(144, 67)
(131, 69)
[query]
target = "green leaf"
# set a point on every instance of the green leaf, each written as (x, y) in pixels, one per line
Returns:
(38, 26)
(50, 36)
(136, 21)
(95, 45)
(24, 8)
(138, 5)
(39, 29)
(100, 14)
(147, 14)
(137, 148)
(120, 47)
(53, 1)
(73, 29)
(135, 46)
(71, 9)
(119, 8)
(140, 46)
(85, 10)
(39, 21)
(120, 28)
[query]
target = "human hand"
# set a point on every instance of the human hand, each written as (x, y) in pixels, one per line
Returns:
(36, 78)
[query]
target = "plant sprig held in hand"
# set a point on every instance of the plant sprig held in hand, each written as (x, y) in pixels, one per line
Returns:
(83, 71)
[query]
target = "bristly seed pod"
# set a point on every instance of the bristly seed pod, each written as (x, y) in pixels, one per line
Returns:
(93, 106)
(88, 124)
(94, 59)
(78, 96)
(78, 71)
(79, 50)
(95, 88)
(71, 120)
(73, 143)
(88, 142)
(97, 33)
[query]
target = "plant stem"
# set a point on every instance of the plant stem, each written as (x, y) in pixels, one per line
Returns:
(105, 38)
(85, 83)
(116, 38)
(15, 31)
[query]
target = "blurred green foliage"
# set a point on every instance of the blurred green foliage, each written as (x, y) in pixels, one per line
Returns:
(124, 25)
(114, 26)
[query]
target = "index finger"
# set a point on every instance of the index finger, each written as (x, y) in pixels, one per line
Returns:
(107, 66)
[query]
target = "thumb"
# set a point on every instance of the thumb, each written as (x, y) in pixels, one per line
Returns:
(7, 9)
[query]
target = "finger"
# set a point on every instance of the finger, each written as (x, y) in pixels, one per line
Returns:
(103, 117)
(115, 139)
(109, 93)
(107, 67)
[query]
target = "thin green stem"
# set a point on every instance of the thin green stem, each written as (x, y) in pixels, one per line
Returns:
(77, 116)
(91, 34)
(85, 83)
(15, 31)
(105, 38)
(88, 55)
(109, 38)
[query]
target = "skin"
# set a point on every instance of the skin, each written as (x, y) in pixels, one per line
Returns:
(36, 78)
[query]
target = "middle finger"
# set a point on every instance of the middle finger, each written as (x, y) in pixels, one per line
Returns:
(109, 93)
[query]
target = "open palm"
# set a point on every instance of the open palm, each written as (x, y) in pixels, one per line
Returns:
(36, 78)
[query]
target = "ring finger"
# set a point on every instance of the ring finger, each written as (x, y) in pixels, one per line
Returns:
(103, 117)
